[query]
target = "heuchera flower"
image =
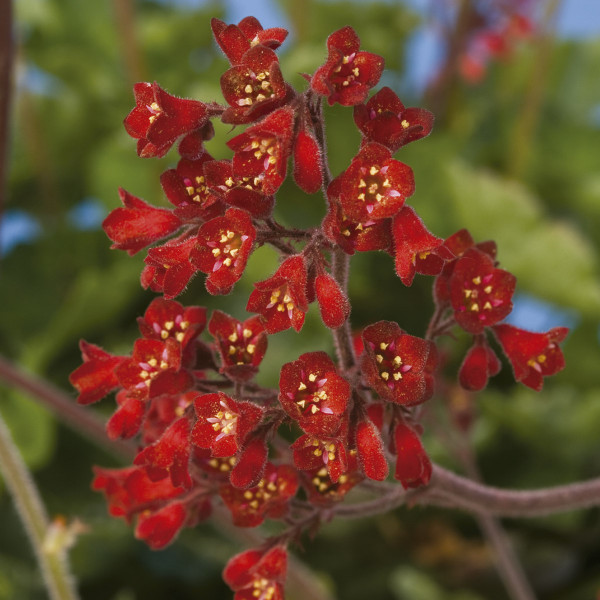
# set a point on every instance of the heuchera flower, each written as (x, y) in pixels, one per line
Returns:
(269, 498)
(481, 294)
(281, 299)
(222, 249)
(416, 250)
(95, 378)
(236, 40)
(158, 119)
(254, 87)
(398, 366)
(311, 453)
(413, 467)
(313, 394)
(223, 423)
(369, 446)
(138, 224)
(126, 421)
(533, 356)
(479, 365)
(333, 303)
(257, 575)
(384, 119)
(241, 345)
(308, 162)
(262, 150)
(375, 185)
(348, 74)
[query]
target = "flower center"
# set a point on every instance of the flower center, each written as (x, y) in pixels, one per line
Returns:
(374, 186)
(257, 89)
(282, 299)
(196, 189)
(224, 421)
(311, 395)
(345, 73)
(389, 363)
(478, 297)
(226, 249)
(241, 349)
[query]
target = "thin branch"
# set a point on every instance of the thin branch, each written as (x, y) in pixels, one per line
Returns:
(53, 565)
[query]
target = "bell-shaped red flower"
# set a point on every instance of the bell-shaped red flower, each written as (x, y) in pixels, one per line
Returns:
(257, 575)
(222, 249)
(308, 162)
(313, 394)
(158, 119)
(375, 185)
(481, 294)
(138, 224)
(385, 120)
(348, 74)
(236, 40)
(127, 419)
(311, 453)
(398, 366)
(533, 356)
(241, 345)
(281, 299)
(333, 303)
(322, 491)
(413, 467)
(479, 365)
(370, 450)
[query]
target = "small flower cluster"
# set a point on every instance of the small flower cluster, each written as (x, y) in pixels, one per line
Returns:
(207, 431)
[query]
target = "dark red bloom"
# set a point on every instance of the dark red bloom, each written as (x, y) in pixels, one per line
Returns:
(254, 87)
(375, 185)
(186, 188)
(242, 191)
(348, 74)
(354, 236)
(127, 419)
(169, 455)
(158, 119)
(416, 250)
(398, 366)
(166, 319)
(257, 575)
(262, 150)
(95, 378)
(311, 453)
(250, 464)
(267, 499)
(533, 356)
(236, 40)
(159, 528)
(168, 268)
(154, 369)
(333, 303)
(241, 345)
(370, 450)
(223, 423)
(222, 249)
(138, 224)
(281, 299)
(413, 467)
(384, 119)
(308, 162)
(481, 294)
(313, 394)
(479, 365)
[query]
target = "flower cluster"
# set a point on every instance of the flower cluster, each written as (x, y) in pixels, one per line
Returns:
(207, 431)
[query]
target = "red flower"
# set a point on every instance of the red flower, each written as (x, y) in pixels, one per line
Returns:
(236, 40)
(159, 528)
(281, 299)
(375, 185)
(241, 345)
(95, 378)
(384, 119)
(186, 188)
(370, 450)
(533, 356)
(398, 366)
(311, 453)
(223, 423)
(168, 268)
(262, 150)
(254, 87)
(333, 303)
(348, 74)
(480, 293)
(244, 192)
(321, 490)
(169, 455)
(313, 394)
(416, 249)
(224, 244)
(166, 319)
(479, 365)
(127, 419)
(158, 119)
(267, 499)
(138, 224)
(413, 467)
(352, 236)
(257, 575)
(308, 162)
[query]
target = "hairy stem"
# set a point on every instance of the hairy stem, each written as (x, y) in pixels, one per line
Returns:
(33, 515)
